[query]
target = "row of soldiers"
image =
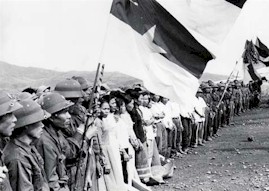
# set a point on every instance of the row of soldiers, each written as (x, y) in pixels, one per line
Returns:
(226, 102)
(42, 134)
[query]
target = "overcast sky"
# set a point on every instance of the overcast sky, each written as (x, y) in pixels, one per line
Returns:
(68, 35)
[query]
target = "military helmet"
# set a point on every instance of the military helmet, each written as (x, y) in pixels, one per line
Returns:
(41, 89)
(210, 82)
(221, 85)
(69, 88)
(199, 90)
(214, 85)
(54, 102)
(30, 113)
(24, 96)
(8, 104)
(204, 86)
(82, 81)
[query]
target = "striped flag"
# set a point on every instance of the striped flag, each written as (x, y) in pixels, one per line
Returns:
(263, 52)
(251, 61)
(145, 41)
(209, 21)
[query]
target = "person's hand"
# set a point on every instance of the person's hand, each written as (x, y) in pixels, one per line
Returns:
(126, 157)
(3, 171)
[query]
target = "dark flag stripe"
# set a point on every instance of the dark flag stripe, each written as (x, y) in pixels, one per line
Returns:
(180, 46)
(253, 73)
(238, 3)
(262, 48)
(262, 52)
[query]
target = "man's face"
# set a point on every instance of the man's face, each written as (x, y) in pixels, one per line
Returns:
(61, 119)
(7, 124)
(87, 93)
(35, 130)
(208, 90)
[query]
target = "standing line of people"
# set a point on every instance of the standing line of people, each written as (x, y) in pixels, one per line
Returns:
(132, 135)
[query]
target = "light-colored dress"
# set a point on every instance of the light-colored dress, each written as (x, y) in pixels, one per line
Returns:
(113, 180)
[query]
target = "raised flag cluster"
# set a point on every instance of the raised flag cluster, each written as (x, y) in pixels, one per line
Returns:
(150, 44)
(255, 57)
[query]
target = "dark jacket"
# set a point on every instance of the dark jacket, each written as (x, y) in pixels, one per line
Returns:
(5, 185)
(25, 167)
(138, 126)
(60, 153)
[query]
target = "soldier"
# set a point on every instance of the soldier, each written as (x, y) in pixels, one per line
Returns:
(59, 150)
(71, 90)
(7, 124)
(222, 105)
(228, 102)
(209, 114)
(24, 163)
(215, 108)
(238, 97)
(86, 88)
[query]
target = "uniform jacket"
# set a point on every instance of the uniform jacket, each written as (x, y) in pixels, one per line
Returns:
(5, 185)
(25, 167)
(56, 150)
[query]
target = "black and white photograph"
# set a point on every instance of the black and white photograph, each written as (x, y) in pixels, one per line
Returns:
(134, 95)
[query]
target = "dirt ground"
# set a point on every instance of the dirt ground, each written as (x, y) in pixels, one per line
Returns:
(229, 162)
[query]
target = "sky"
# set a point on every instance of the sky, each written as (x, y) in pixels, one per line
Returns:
(69, 35)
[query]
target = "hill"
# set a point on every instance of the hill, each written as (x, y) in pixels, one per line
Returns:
(17, 77)
(213, 77)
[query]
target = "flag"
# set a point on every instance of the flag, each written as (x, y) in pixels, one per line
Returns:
(251, 60)
(263, 52)
(210, 21)
(145, 41)
(238, 3)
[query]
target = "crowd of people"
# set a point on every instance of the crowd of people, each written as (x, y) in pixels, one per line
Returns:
(68, 139)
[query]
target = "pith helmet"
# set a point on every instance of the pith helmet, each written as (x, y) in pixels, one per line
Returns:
(199, 90)
(24, 96)
(54, 102)
(82, 81)
(8, 104)
(42, 89)
(30, 113)
(204, 86)
(69, 88)
(214, 85)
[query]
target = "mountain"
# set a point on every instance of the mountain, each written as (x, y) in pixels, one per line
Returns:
(14, 77)
(213, 77)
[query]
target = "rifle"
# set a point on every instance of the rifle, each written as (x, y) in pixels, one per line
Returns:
(226, 85)
(81, 154)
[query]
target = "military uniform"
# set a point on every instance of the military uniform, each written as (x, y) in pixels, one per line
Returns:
(56, 148)
(215, 99)
(64, 148)
(7, 105)
(24, 163)
(209, 114)
(25, 167)
(5, 185)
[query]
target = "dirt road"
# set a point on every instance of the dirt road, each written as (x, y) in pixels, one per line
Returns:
(229, 162)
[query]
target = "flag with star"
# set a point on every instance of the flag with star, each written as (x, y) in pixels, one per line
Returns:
(145, 41)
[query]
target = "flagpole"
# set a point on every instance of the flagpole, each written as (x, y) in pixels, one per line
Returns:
(87, 125)
(226, 85)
